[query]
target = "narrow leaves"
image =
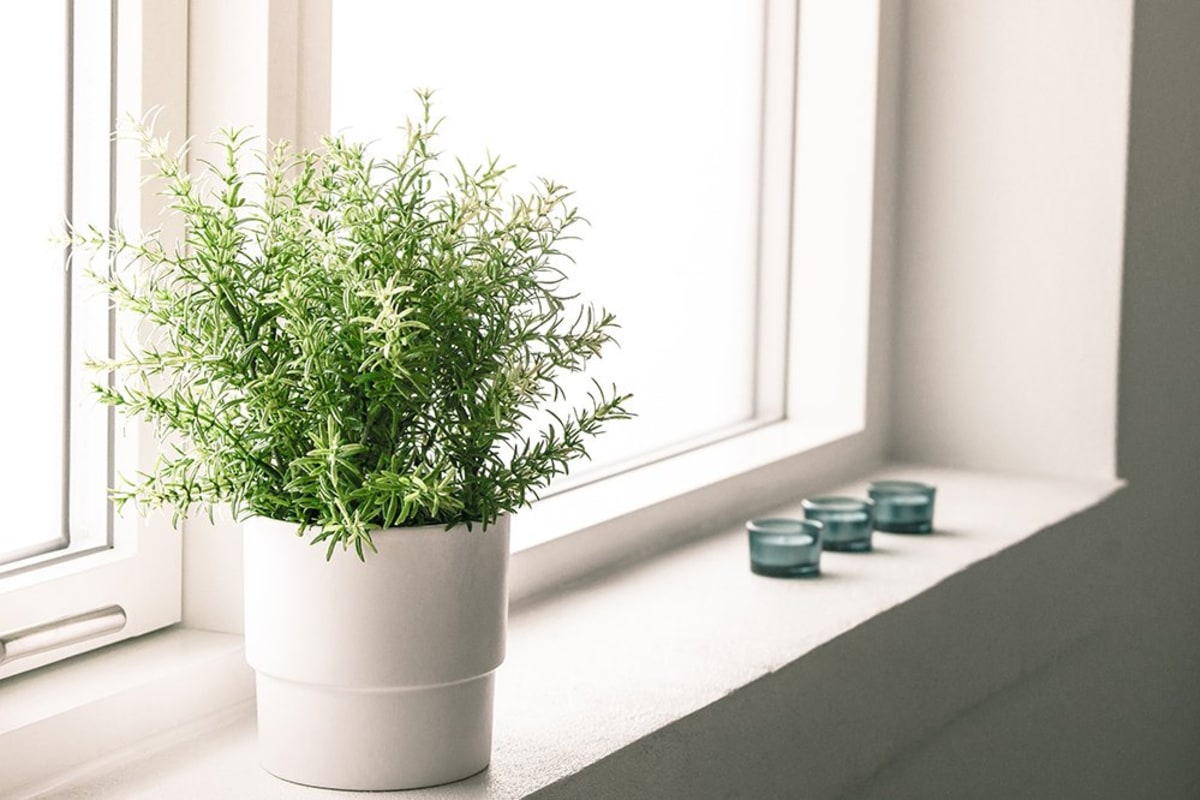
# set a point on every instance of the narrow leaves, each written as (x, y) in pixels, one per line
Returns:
(350, 343)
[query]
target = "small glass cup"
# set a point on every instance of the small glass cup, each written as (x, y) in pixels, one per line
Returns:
(785, 548)
(903, 506)
(846, 521)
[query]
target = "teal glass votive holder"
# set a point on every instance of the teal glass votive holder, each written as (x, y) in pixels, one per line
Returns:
(785, 548)
(847, 522)
(902, 506)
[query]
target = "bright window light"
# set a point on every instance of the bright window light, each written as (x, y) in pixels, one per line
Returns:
(652, 113)
(32, 331)
(59, 95)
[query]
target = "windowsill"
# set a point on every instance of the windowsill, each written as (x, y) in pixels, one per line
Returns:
(616, 664)
(79, 717)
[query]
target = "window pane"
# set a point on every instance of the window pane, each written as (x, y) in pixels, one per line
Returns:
(650, 111)
(62, 131)
(33, 57)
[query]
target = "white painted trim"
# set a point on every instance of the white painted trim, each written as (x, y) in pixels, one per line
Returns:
(313, 72)
(776, 194)
(839, 132)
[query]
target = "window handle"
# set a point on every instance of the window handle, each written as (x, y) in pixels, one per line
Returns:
(60, 633)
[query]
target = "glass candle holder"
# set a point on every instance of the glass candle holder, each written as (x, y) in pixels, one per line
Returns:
(902, 506)
(846, 520)
(785, 548)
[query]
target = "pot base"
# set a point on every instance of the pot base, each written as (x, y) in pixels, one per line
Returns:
(374, 739)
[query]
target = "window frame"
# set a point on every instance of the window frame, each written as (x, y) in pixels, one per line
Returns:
(140, 573)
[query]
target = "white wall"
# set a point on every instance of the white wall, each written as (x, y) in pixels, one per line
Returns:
(1011, 209)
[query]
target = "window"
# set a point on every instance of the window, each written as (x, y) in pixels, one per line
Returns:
(816, 252)
(41, 293)
(656, 126)
(674, 124)
(72, 574)
(738, 264)
(745, 307)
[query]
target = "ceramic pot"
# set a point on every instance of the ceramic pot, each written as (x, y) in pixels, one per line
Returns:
(376, 674)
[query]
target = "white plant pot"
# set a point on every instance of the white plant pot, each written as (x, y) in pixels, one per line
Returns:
(376, 674)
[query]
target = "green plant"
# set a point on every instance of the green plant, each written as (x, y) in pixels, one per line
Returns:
(349, 343)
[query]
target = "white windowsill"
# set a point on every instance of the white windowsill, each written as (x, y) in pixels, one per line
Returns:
(612, 662)
(82, 716)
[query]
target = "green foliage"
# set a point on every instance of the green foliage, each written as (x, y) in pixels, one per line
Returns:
(350, 343)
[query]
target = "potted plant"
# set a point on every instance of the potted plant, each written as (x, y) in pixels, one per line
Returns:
(365, 355)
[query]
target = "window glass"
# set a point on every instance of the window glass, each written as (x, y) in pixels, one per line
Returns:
(34, 57)
(57, 141)
(651, 112)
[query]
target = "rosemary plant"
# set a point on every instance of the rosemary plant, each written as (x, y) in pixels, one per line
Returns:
(351, 344)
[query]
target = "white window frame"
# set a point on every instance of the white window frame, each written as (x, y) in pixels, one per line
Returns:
(81, 602)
